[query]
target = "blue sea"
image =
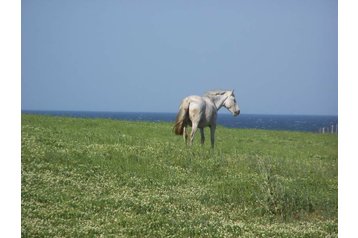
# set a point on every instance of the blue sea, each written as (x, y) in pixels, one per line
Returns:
(253, 121)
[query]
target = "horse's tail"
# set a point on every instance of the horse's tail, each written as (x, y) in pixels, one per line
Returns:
(182, 117)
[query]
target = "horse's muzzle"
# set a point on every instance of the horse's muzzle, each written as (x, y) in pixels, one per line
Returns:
(236, 113)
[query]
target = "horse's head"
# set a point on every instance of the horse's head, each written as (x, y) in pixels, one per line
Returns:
(231, 104)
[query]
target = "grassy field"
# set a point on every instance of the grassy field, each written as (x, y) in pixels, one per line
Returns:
(108, 178)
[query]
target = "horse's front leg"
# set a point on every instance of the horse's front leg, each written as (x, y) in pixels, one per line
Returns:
(202, 135)
(212, 135)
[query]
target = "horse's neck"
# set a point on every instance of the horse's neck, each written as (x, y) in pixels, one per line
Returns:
(218, 101)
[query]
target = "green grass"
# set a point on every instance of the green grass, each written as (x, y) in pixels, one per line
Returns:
(98, 177)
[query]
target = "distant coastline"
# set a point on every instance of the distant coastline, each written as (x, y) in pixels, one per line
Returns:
(309, 123)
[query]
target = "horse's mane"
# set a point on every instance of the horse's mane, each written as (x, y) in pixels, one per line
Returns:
(214, 93)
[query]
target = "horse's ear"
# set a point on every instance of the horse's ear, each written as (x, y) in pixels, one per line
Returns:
(232, 92)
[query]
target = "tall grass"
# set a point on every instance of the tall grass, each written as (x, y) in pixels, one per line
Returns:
(98, 177)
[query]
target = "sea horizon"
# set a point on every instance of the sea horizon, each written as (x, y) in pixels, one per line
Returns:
(157, 112)
(308, 123)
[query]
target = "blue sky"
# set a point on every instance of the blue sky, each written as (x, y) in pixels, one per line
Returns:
(280, 56)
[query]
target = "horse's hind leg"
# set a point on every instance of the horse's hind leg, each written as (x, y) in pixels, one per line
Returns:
(185, 135)
(202, 135)
(192, 134)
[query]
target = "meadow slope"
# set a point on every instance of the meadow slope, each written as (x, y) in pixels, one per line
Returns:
(99, 177)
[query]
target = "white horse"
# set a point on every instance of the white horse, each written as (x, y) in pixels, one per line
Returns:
(200, 112)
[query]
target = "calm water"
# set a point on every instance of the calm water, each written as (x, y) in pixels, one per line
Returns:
(270, 122)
